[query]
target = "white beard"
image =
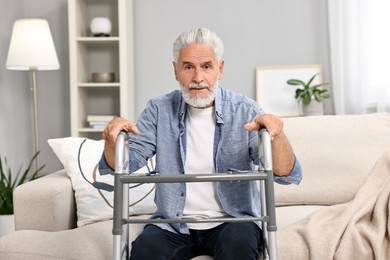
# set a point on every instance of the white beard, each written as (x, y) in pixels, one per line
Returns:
(198, 102)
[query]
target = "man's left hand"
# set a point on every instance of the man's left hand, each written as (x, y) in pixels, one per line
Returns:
(272, 123)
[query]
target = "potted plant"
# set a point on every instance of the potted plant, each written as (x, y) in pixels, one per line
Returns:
(310, 95)
(8, 183)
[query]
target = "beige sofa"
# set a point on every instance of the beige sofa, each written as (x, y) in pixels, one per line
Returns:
(337, 154)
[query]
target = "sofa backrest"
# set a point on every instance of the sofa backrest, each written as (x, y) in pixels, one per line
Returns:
(337, 154)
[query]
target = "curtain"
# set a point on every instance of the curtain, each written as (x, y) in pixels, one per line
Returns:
(360, 55)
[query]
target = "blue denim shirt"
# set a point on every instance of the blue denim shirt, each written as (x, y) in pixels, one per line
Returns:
(162, 131)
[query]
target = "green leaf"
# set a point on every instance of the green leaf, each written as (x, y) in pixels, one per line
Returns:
(311, 80)
(306, 98)
(25, 176)
(295, 82)
(317, 96)
(299, 92)
(319, 85)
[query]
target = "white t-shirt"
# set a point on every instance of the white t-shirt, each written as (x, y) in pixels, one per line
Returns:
(201, 198)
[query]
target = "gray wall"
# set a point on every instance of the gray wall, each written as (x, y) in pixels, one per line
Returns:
(255, 33)
(16, 116)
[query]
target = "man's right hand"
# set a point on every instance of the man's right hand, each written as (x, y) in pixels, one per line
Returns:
(110, 134)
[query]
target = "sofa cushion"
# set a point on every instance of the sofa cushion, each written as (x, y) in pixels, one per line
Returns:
(336, 154)
(80, 157)
(88, 242)
(286, 215)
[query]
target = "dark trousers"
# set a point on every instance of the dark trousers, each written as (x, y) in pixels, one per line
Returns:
(227, 241)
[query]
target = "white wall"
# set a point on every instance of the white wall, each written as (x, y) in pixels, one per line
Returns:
(255, 33)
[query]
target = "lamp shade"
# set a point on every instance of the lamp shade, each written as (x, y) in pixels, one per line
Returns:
(32, 46)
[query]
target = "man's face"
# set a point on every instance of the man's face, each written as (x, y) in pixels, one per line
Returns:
(198, 73)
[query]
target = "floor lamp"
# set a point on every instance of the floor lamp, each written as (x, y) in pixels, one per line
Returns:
(32, 48)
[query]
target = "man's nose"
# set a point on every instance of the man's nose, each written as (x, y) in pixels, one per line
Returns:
(198, 76)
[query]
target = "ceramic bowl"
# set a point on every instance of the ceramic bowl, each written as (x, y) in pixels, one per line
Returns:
(99, 77)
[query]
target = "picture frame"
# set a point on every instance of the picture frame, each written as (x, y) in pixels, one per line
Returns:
(274, 94)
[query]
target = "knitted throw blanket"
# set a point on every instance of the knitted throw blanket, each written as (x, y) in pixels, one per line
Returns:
(359, 229)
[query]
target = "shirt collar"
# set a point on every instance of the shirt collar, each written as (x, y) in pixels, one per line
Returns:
(218, 105)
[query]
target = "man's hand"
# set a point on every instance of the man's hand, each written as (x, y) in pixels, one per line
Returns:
(272, 123)
(282, 153)
(110, 135)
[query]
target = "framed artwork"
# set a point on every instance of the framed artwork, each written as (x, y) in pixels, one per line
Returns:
(275, 95)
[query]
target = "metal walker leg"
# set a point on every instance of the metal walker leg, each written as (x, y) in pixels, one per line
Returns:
(267, 195)
(121, 198)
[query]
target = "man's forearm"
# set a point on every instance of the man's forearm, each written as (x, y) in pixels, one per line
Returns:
(109, 155)
(282, 155)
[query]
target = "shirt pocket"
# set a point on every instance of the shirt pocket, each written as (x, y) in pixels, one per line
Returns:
(234, 153)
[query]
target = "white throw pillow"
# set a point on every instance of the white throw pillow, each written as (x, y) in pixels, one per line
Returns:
(94, 204)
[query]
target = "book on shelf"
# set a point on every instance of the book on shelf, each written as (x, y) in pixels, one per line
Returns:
(99, 121)
(100, 118)
(98, 124)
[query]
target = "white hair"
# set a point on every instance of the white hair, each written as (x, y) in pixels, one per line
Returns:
(198, 35)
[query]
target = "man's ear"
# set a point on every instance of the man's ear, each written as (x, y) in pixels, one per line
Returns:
(175, 70)
(220, 67)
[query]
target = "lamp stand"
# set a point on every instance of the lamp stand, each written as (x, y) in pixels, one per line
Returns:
(36, 127)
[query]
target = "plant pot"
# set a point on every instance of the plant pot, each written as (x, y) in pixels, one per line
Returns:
(314, 108)
(7, 224)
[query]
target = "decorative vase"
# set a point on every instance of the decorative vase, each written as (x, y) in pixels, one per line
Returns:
(7, 224)
(101, 27)
(314, 108)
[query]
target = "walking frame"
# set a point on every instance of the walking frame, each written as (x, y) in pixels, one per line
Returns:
(122, 177)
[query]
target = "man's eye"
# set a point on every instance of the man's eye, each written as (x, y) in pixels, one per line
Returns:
(188, 67)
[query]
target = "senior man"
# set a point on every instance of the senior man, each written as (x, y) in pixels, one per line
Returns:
(202, 128)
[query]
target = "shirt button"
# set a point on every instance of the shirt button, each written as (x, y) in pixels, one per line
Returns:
(182, 194)
(177, 214)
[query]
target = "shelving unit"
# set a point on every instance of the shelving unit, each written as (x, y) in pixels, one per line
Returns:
(89, 54)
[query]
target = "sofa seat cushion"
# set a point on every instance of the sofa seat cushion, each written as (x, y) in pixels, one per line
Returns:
(336, 153)
(287, 215)
(92, 241)
(88, 242)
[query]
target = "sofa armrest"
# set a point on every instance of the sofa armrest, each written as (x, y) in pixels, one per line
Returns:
(45, 204)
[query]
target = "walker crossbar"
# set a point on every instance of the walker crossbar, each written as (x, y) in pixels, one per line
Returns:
(196, 220)
(250, 176)
(121, 196)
